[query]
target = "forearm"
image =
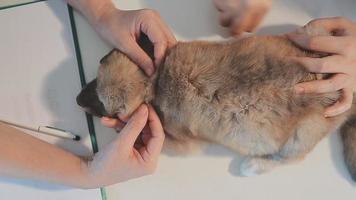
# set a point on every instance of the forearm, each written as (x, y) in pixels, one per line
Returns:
(92, 9)
(24, 156)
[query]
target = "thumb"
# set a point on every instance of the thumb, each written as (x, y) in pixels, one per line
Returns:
(134, 126)
(138, 56)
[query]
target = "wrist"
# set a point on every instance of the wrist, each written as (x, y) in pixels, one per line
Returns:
(85, 178)
(90, 177)
(93, 10)
(102, 13)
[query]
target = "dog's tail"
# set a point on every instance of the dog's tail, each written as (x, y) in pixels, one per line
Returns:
(348, 134)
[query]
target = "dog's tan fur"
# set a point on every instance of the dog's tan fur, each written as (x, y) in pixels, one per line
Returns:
(239, 94)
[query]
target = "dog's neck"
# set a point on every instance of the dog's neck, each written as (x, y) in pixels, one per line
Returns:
(150, 89)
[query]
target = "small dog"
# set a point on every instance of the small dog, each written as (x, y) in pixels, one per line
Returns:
(238, 93)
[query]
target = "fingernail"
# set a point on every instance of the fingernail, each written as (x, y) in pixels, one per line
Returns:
(299, 90)
(329, 114)
(105, 118)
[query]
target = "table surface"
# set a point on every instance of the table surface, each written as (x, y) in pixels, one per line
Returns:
(39, 81)
(213, 174)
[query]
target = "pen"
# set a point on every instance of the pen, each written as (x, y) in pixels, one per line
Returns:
(48, 130)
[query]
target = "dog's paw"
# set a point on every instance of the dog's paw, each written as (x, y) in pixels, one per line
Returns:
(257, 165)
(251, 167)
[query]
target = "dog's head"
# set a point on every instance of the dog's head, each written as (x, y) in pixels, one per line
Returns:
(120, 87)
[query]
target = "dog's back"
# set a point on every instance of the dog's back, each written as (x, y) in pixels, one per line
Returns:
(207, 89)
(241, 94)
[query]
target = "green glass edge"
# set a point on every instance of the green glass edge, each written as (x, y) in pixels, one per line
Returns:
(83, 83)
(20, 4)
(103, 194)
(82, 77)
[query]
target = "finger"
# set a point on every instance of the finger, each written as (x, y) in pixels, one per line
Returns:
(246, 22)
(112, 123)
(256, 16)
(169, 34)
(225, 19)
(331, 24)
(154, 144)
(157, 37)
(239, 25)
(328, 44)
(254, 21)
(159, 51)
(341, 106)
(134, 126)
(134, 51)
(330, 64)
(334, 83)
(221, 5)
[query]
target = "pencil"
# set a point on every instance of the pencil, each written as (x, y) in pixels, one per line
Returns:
(48, 130)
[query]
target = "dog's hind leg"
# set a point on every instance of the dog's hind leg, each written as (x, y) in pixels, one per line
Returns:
(308, 132)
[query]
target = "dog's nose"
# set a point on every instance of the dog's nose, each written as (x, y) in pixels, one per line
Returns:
(88, 99)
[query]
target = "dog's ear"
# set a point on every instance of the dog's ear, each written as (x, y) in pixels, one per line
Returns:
(89, 101)
(103, 60)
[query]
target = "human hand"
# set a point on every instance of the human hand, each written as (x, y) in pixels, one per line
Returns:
(120, 160)
(242, 15)
(341, 62)
(123, 28)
